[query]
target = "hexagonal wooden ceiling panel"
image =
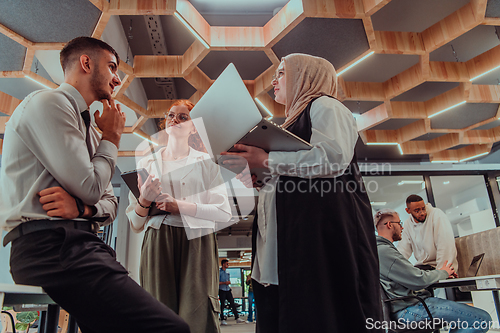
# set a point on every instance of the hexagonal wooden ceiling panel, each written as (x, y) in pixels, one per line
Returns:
(422, 76)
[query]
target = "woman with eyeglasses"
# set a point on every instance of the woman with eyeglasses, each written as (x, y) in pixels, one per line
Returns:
(179, 255)
(315, 266)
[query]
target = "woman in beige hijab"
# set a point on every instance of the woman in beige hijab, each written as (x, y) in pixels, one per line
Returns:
(315, 265)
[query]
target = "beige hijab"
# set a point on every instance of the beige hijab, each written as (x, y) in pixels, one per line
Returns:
(307, 77)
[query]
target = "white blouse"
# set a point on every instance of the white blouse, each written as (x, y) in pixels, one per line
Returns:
(199, 181)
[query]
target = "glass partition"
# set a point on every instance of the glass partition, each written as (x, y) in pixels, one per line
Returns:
(392, 191)
(465, 201)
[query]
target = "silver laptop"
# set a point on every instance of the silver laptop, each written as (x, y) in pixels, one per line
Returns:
(229, 116)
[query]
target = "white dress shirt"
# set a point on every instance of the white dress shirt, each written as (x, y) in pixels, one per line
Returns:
(44, 146)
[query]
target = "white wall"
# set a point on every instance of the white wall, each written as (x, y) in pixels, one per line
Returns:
(5, 276)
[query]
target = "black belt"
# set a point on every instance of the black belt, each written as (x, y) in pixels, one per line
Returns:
(37, 225)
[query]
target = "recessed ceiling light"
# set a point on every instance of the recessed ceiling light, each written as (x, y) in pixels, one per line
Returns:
(475, 156)
(40, 83)
(183, 21)
(354, 64)
(137, 134)
(444, 161)
(491, 70)
(407, 182)
(447, 109)
(382, 143)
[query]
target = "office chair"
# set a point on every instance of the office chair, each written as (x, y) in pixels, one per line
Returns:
(386, 308)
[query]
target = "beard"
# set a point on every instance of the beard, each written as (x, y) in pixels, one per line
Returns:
(396, 236)
(419, 220)
(98, 81)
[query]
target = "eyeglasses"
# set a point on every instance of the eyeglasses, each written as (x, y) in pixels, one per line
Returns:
(278, 75)
(398, 222)
(181, 117)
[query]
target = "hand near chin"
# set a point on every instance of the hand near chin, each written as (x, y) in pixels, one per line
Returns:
(111, 122)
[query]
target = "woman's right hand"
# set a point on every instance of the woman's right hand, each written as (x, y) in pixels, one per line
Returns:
(150, 189)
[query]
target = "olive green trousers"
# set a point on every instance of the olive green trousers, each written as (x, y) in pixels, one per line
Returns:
(183, 274)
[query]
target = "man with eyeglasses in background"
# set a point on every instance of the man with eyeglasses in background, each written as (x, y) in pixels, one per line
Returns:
(428, 235)
(400, 278)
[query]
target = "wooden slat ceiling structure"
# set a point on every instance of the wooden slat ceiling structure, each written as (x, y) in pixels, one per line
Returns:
(453, 144)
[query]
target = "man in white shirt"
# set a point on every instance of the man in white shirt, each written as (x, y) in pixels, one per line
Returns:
(55, 179)
(399, 278)
(428, 235)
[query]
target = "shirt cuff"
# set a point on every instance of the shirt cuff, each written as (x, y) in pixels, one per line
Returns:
(282, 163)
(136, 217)
(108, 148)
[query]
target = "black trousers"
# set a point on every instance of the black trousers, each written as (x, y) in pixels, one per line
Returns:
(267, 301)
(227, 295)
(81, 274)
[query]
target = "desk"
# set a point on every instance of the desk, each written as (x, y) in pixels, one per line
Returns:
(476, 283)
(13, 294)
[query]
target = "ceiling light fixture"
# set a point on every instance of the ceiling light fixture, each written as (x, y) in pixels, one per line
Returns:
(382, 143)
(400, 149)
(475, 156)
(491, 70)
(264, 107)
(183, 21)
(355, 63)
(445, 161)
(145, 138)
(449, 108)
(40, 83)
(446, 182)
(378, 203)
(407, 182)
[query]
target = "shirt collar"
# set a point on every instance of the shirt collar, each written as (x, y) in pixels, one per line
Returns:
(381, 239)
(80, 101)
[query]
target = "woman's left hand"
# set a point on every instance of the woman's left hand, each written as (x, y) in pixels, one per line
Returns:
(167, 203)
(256, 157)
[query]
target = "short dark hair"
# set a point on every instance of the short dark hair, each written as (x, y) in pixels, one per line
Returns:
(223, 261)
(413, 198)
(72, 51)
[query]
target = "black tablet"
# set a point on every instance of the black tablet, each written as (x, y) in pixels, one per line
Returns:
(130, 178)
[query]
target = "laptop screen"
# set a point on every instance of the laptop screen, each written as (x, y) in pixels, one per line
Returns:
(474, 265)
